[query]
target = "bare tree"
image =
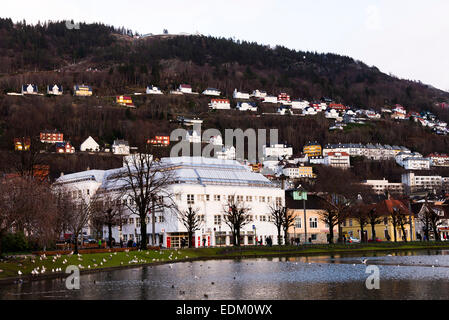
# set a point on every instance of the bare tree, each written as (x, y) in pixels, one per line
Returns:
(374, 218)
(277, 219)
(148, 182)
(288, 221)
(191, 220)
(360, 212)
(110, 211)
(236, 216)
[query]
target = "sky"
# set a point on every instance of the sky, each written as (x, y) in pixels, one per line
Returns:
(407, 38)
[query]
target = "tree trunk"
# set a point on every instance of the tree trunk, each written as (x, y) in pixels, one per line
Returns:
(373, 231)
(331, 234)
(143, 235)
(76, 244)
(153, 223)
(435, 232)
(395, 234)
(404, 233)
(238, 237)
(279, 236)
(110, 234)
(286, 237)
(190, 233)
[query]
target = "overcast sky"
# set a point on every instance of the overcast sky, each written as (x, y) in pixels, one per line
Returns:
(408, 38)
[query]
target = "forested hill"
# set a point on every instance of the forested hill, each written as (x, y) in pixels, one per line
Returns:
(114, 62)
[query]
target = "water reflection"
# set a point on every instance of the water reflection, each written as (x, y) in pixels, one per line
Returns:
(405, 275)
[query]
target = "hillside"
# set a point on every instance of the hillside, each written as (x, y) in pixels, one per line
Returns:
(113, 63)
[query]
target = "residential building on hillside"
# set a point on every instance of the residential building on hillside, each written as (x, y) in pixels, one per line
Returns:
(125, 101)
(296, 172)
(415, 183)
(220, 104)
(240, 95)
(54, 90)
(439, 160)
(270, 99)
(82, 90)
(226, 153)
(163, 141)
(64, 147)
(277, 151)
(284, 99)
(259, 94)
(300, 104)
(120, 147)
(211, 92)
(312, 149)
(338, 160)
(90, 145)
(416, 163)
(153, 90)
(246, 106)
(185, 88)
(22, 144)
(381, 187)
(51, 136)
(193, 136)
(29, 89)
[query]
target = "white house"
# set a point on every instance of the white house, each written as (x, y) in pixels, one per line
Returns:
(153, 90)
(29, 89)
(211, 92)
(270, 99)
(283, 110)
(120, 147)
(246, 106)
(332, 114)
(185, 88)
(259, 94)
(227, 153)
(90, 145)
(300, 104)
(309, 111)
(220, 104)
(338, 159)
(277, 151)
(193, 136)
(416, 163)
(401, 156)
(55, 90)
(204, 184)
(382, 186)
(216, 140)
(240, 95)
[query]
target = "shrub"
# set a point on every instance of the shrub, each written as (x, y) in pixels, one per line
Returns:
(14, 242)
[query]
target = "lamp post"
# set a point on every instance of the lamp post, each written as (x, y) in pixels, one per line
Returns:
(301, 194)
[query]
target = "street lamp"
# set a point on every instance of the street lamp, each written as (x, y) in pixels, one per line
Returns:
(301, 194)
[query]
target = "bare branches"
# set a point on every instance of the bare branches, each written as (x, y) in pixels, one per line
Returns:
(191, 221)
(236, 217)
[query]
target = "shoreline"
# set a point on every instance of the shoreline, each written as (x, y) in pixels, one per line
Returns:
(230, 256)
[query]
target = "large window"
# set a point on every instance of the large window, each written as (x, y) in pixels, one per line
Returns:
(298, 223)
(217, 219)
(190, 199)
(217, 197)
(313, 223)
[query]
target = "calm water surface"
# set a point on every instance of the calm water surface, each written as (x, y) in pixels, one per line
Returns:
(408, 275)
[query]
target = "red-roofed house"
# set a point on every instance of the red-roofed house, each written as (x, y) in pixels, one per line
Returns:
(439, 160)
(338, 160)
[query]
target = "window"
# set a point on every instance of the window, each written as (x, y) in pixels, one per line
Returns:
(313, 223)
(249, 199)
(230, 198)
(207, 197)
(131, 221)
(217, 219)
(279, 201)
(138, 222)
(201, 217)
(269, 199)
(125, 237)
(298, 223)
(261, 199)
(217, 197)
(251, 218)
(178, 197)
(350, 222)
(190, 199)
(201, 197)
(263, 218)
(161, 219)
(239, 198)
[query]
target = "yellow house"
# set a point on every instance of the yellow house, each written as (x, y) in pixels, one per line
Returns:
(384, 231)
(313, 149)
(309, 226)
(82, 90)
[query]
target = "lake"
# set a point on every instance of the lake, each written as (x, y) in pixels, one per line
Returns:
(405, 275)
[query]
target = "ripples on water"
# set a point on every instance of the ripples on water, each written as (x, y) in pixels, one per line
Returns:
(410, 275)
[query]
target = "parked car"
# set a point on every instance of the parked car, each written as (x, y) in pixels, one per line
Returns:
(376, 240)
(353, 240)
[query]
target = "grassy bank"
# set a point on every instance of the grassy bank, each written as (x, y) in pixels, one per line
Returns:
(96, 261)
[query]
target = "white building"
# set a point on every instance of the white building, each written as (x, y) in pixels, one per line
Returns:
(220, 104)
(29, 89)
(55, 90)
(185, 88)
(206, 185)
(259, 94)
(413, 182)
(270, 99)
(240, 95)
(246, 106)
(90, 145)
(153, 90)
(381, 186)
(338, 160)
(216, 140)
(309, 111)
(193, 136)
(226, 153)
(299, 104)
(211, 92)
(120, 147)
(416, 164)
(284, 110)
(277, 151)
